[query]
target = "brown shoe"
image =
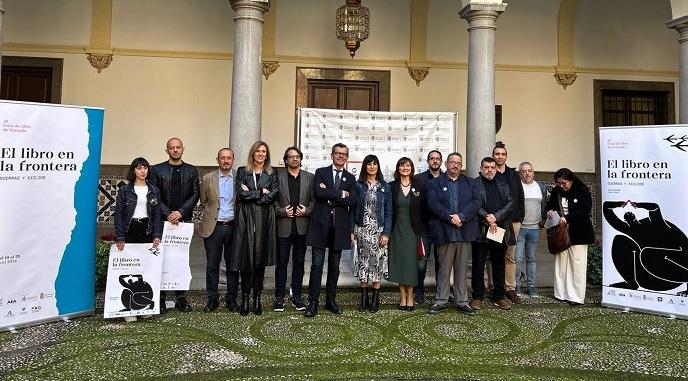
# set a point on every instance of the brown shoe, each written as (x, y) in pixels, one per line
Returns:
(511, 294)
(475, 304)
(502, 304)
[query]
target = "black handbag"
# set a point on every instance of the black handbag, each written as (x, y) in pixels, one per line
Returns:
(558, 239)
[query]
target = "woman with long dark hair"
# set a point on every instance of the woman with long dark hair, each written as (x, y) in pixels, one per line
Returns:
(373, 226)
(571, 199)
(137, 210)
(408, 200)
(255, 235)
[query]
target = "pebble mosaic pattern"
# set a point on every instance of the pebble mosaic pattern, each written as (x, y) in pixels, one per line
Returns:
(538, 340)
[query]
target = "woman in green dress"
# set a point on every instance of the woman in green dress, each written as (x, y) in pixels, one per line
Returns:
(408, 201)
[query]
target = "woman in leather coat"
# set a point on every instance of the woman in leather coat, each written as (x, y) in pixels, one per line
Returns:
(255, 239)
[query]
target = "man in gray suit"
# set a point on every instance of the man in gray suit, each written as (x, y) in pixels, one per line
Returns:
(217, 229)
(293, 209)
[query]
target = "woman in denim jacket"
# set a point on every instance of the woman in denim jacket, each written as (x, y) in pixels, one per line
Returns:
(137, 210)
(373, 227)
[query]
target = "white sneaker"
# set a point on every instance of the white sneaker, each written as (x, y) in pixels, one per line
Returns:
(129, 319)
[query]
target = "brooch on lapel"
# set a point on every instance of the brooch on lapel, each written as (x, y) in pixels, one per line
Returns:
(154, 201)
(444, 189)
(382, 189)
(343, 178)
(417, 194)
(575, 200)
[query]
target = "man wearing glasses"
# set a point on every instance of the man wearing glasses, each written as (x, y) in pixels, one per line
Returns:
(293, 209)
(330, 227)
(434, 170)
(454, 202)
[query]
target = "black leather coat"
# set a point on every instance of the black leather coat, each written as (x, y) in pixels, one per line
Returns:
(125, 206)
(161, 175)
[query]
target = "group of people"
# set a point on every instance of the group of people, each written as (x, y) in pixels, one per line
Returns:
(257, 216)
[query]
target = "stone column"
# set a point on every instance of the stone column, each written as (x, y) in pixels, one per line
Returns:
(245, 116)
(480, 110)
(681, 26)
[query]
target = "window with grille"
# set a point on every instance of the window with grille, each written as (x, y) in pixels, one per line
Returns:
(634, 108)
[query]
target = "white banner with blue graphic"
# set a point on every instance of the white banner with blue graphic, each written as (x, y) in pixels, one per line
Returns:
(49, 165)
(644, 220)
(133, 281)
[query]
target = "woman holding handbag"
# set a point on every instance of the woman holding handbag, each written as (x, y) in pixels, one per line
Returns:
(571, 199)
(408, 200)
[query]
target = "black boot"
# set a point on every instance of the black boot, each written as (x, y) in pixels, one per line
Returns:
(244, 304)
(363, 303)
(375, 303)
(257, 307)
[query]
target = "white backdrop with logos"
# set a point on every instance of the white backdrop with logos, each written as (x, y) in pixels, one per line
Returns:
(645, 249)
(388, 135)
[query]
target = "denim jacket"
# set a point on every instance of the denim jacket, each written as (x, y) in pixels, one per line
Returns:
(384, 210)
(124, 210)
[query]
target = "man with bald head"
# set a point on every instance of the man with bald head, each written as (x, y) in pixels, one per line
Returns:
(179, 193)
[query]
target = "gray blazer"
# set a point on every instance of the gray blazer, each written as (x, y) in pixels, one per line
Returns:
(210, 201)
(305, 198)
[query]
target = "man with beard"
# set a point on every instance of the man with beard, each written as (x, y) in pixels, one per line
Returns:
(179, 194)
(453, 202)
(434, 170)
(511, 178)
(495, 210)
(293, 208)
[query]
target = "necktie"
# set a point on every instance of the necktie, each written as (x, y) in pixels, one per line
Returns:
(338, 178)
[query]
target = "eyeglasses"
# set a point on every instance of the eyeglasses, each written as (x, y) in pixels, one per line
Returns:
(343, 154)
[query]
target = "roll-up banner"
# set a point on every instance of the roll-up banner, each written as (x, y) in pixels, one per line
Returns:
(388, 135)
(49, 165)
(645, 220)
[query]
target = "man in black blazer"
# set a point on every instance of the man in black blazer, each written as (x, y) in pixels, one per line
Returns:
(293, 208)
(330, 227)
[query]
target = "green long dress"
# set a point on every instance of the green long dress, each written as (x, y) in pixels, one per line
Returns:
(403, 245)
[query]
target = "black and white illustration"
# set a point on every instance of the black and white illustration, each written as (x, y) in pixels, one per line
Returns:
(648, 252)
(133, 281)
(137, 293)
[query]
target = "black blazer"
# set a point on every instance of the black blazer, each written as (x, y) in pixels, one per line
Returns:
(581, 231)
(418, 195)
(330, 209)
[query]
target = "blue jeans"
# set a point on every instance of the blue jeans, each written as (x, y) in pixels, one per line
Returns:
(526, 244)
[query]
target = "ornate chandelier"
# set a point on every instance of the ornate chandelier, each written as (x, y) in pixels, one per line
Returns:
(353, 25)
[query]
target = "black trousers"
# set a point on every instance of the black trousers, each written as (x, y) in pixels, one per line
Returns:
(496, 252)
(137, 232)
(295, 245)
(217, 246)
(317, 263)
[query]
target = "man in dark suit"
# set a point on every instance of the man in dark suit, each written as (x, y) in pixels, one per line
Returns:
(453, 202)
(330, 227)
(293, 209)
(495, 211)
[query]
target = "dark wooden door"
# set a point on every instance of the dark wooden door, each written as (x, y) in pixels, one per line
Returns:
(343, 95)
(30, 84)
